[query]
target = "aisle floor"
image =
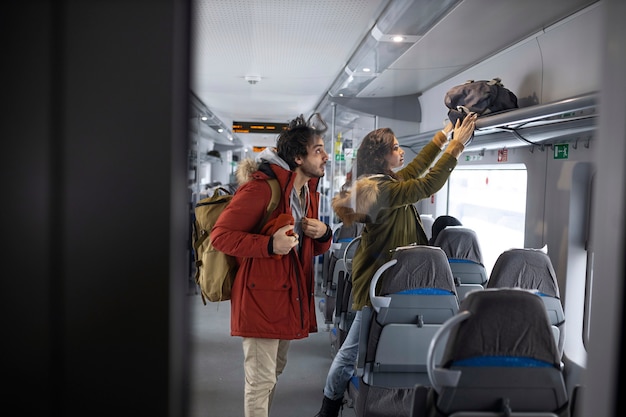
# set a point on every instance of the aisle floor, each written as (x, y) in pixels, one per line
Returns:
(216, 388)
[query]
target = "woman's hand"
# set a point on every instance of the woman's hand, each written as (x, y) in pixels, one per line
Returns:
(463, 131)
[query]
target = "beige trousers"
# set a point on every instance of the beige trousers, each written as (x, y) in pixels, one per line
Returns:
(264, 360)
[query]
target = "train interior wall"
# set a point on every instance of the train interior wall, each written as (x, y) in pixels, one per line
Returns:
(543, 68)
(562, 61)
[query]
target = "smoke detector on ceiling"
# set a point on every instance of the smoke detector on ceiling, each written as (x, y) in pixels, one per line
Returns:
(252, 79)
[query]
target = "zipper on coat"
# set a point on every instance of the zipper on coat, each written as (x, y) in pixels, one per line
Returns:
(299, 285)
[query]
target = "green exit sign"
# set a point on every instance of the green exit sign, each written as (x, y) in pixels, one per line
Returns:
(561, 151)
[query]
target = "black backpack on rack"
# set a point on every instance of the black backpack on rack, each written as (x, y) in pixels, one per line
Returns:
(481, 97)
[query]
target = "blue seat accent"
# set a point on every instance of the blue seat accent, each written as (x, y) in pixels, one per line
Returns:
(509, 361)
(461, 261)
(426, 291)
(344, 240)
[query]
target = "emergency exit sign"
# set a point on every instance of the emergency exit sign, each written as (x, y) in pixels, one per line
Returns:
(561, 151)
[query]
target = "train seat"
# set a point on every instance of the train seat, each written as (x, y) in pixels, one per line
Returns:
(333, 267)
(344, 315)
(462, 248)
(532, 269)
(500, 358)
(416, 296)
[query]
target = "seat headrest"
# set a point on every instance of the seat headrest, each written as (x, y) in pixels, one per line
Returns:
(503, 322)
(460, 242)
(524, 268)
(441, 223)
(418, 267)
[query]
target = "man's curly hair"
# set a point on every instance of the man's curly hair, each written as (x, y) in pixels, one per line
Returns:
(292, 142)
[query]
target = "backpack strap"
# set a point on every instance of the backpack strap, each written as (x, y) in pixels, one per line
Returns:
(275, 187)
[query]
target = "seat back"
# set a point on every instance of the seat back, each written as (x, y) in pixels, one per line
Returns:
(459, 242)
(441, 223)
(344, 315)
(468, 276)
(526, 268)
(411, 296)
(531, 269)
(461, 246)
(349, 252)
(333, 267)
(499, 357)
(416, 294)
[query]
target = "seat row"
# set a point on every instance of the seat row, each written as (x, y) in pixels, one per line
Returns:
(410, 350)
(420, 292)
(518, 267)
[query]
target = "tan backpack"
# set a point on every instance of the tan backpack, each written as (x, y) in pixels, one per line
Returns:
(215, 270)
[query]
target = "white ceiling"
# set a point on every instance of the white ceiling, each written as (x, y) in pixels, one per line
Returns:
(296, 47)
(299, 47)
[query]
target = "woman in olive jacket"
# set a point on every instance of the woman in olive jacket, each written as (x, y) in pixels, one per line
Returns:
(384, 201)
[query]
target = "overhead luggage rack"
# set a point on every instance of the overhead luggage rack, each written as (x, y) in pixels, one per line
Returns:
(543, 124)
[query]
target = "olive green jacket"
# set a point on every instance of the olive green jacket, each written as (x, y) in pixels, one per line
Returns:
(386, 206)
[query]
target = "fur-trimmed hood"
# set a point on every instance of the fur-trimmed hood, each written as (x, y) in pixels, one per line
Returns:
(248, 166)
(245, 170)
(356, 204)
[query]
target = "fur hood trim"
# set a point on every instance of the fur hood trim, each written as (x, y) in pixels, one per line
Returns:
(356, 204)
(245, 170)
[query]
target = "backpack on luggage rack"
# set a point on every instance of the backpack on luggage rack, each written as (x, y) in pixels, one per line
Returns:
(481, 97)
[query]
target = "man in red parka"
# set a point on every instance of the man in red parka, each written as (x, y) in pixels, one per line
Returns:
(272, 300)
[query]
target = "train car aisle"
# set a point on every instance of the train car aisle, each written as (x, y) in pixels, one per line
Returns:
(216, 386)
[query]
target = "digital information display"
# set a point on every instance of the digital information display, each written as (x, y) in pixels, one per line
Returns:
(258, 127)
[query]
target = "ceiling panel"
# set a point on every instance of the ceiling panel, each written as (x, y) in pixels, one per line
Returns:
(298, 48)
(472, 32)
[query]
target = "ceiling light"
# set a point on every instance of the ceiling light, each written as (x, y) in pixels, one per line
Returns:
(252, 79)
(402, 23)
(413, 17)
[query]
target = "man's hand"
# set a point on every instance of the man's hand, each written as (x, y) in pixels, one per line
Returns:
(284, 239)
(313, 228)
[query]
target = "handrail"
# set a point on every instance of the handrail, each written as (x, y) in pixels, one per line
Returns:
(443, 376)
(379, 302)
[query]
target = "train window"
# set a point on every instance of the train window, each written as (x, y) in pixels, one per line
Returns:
(492, 202)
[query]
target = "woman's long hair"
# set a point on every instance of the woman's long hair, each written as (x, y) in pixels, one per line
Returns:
(370, 157)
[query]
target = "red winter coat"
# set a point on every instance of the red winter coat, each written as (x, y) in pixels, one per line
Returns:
(271, 298)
